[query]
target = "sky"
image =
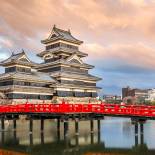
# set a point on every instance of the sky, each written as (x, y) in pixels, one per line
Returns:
(118, 35)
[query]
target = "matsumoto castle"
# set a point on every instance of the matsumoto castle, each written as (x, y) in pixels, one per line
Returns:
(62, 75)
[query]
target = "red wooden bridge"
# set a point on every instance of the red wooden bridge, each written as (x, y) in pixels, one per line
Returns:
(64, 108)
(65, 112)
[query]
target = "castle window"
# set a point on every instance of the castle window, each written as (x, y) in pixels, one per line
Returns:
(22, 69)
(69, 46)
(29, 96)
(10, 69)
(52, 46)
(48, 56)
(54, 35)
(61, 45)
(27, 83)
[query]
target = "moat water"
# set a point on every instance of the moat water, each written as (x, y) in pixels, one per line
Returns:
(116, 137)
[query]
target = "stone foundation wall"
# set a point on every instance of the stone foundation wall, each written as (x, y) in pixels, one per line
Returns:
(23, 101)
(55, 100)
(73, 100)
(4, 101)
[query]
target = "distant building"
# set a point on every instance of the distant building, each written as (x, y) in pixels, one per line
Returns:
(112, 98)
(62, 75)
(134, 94)
(151, 94)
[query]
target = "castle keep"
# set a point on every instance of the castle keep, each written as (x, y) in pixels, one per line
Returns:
(62, 75)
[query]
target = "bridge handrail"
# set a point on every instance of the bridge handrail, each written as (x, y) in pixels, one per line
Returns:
(115, 109)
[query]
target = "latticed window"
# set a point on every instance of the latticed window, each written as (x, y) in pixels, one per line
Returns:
(27, 83)
(64, 93)
(22, 69)
(6, 83)
(52, 46)
(10, 69)
(69, 46)
(29, 96)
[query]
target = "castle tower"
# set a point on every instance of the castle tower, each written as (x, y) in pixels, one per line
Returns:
(62, 76)
(63, 60)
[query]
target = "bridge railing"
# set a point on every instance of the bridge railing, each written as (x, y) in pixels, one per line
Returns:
(109, 109)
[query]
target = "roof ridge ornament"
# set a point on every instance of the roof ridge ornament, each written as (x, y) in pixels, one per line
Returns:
(13, 53)
(69, 31)
(54, 26)
(23, 50)
(62, 34)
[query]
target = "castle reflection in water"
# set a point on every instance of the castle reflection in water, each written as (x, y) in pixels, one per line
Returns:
(116, 136)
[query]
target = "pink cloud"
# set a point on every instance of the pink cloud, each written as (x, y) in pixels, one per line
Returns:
(6, 42)
(139, 54)
(27, 17)
(109, 28)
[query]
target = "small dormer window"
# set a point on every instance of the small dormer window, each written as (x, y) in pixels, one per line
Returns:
(23, 59)
(53, 35)
(49, 56)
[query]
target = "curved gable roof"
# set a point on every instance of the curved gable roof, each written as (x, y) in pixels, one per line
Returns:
(18, 58)
(58, 33)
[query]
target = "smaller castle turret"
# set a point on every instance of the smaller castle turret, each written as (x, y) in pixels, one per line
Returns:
(21, 82)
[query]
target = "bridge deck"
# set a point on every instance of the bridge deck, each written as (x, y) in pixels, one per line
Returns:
(68, 109)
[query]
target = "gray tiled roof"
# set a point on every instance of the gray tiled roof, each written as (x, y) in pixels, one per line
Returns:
(74, 86)
(63, 61)
(61, 34)
(65, 34)
(43, 76)
(63, 49)
(77, 75)
(15, 58)
(34, 76)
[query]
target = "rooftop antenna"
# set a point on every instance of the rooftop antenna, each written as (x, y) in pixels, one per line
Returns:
(13, 53)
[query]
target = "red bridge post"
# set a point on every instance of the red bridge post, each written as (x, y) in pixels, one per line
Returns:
(2, 130)
(31, 131)
(141, 133)
(66, 129)
(42, 125)
(76, 126)
(99, 129)
(14, 128)
(136, 133)
(2, 124)
(42, 137)
(58, 128)
(92, 130)
(77, 131)
(31, 126)
(141, 122)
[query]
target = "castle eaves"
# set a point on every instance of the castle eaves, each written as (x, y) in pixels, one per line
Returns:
(34, 76)
(61, 34)
(19, 58)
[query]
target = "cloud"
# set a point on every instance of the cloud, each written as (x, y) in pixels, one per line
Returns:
(123, 55)
(119, 35)
(128, 15)
(29, 17)
(5, 42)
